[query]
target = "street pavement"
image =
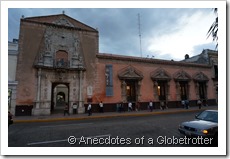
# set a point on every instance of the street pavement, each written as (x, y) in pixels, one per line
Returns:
(61, 117)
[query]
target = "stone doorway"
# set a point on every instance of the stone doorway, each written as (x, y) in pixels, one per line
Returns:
(131, 95)
(59, 97)
(130, 79)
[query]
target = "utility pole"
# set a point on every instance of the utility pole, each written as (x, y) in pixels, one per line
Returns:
(139, 28)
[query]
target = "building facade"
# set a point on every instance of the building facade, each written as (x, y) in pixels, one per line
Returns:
(59, 63)
(12, 65)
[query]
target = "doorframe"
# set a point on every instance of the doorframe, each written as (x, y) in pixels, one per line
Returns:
(55, 84)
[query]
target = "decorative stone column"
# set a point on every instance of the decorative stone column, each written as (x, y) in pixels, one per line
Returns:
(206, 90)
(36, 110)
(168, 91)
(197, 90)
(48, 59)
(188, 91)
(123, 90)
(38, 89)
(81, 108)
(75, 61)
(138, 90)
(155, 89)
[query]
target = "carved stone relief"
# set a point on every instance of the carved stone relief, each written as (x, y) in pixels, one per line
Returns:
(63, 21)
(56, 39)
(130, 73)
(160, 74)
(200, 76)
(182, 76)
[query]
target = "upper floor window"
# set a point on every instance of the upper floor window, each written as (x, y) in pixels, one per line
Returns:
(61, 59)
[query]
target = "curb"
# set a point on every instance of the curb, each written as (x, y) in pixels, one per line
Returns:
(106, 116)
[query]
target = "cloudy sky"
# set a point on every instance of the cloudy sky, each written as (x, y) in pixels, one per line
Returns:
(166, 33)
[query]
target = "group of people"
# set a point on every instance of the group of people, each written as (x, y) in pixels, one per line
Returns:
(120, 106)
(151, 105)
(200, 103)
(101, 108)
(185, 104)
(89, 108)
(66, 108)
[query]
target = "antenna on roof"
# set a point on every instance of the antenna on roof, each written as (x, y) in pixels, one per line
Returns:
(139, 28)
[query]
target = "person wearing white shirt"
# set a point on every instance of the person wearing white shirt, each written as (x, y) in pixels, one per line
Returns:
(101, 107)
(89, 109)
(130, 108)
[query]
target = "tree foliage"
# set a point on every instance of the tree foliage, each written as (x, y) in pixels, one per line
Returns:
(213, 30)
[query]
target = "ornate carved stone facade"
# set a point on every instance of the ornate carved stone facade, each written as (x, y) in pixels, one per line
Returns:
(55, 57)
(59, 63)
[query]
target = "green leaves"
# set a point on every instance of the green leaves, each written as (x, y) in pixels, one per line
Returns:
(213, 30)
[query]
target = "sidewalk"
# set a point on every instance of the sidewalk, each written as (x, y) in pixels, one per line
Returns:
(61, 117)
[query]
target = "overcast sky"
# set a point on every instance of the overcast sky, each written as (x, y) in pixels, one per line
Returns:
(165, 33)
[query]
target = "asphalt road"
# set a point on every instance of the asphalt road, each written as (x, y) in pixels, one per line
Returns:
(154, 131)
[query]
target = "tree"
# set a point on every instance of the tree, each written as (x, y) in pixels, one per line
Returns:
(213, 30)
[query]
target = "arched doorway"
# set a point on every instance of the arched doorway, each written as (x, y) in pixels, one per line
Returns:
(60, 96)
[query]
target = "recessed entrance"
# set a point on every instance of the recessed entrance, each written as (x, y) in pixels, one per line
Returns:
(161, 90)
(183, 90)
(202, 90)
(60, 96)
(131, 90)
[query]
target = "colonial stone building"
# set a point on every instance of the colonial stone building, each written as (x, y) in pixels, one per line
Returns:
(59, 62)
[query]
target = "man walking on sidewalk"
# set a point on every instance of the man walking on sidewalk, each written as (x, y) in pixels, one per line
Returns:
(101, 107)
(89, 109)
(151, 106)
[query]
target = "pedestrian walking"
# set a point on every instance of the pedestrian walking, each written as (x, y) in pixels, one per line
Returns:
(187, 104)
(199, 103)
(162, 105)
(130, 108)
(121, 107)
(151, 106)
(89, 109)
(74, 108)
(183, 104)
(66, 109)
(138, 106)
(101, 107)
(205, 103)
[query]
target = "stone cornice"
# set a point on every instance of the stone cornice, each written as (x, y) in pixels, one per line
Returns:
(57, 26)
(149, 60)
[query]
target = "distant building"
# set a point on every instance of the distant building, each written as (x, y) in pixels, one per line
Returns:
(12, 65)
(208, 57)
(59, 62)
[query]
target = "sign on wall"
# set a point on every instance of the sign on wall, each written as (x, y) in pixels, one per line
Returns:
(109, 80)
